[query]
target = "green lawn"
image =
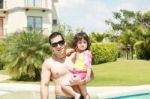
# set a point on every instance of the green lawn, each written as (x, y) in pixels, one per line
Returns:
(122, 72)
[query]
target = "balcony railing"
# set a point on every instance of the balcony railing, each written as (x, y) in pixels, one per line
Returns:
(36, 30)
(36, 3)
(3, 5)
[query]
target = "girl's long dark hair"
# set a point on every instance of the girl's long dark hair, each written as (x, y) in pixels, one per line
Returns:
(80, 36)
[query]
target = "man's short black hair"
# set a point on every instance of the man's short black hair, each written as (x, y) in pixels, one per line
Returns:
(54, 34)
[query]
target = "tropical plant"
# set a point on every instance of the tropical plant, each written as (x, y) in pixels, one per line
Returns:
(25, 53)
(96, 37)
(130, 27)
(2, 48)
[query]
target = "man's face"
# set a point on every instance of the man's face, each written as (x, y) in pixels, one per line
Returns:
(58, 45)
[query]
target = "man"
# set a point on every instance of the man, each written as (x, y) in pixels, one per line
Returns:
(56, 68)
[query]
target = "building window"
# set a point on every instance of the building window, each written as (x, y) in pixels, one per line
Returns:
(1, 4)
(34, 23)
(54, 21)
(34, 3)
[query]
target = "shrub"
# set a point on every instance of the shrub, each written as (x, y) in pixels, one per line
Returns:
(25, 53)
(2, 49)
(104, 52)
(139, 46)
(142, 50)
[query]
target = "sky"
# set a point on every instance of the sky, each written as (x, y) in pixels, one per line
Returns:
(90, 15)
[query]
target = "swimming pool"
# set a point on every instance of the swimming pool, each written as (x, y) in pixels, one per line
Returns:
(134, 96)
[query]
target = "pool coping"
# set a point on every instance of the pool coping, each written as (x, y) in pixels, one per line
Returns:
(101, 92)
(124, 91)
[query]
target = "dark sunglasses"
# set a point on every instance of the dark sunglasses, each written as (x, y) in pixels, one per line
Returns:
(61, 42)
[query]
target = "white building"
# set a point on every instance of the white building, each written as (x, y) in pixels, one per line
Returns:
(38, 15)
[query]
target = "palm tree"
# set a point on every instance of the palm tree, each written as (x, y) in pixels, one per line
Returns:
(25, 53)
(2, 47)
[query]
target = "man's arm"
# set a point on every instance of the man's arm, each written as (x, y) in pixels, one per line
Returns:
(45, 77)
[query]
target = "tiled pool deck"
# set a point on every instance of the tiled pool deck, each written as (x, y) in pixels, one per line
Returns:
(99, 92)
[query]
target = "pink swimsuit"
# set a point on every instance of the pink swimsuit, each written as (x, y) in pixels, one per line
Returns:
(83, 61)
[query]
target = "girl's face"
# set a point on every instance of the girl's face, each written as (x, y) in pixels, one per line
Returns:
(82, 45)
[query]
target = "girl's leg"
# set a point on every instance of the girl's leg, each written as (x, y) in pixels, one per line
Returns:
(83, 91)
(70, 90)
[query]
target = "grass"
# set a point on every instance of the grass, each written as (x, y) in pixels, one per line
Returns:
(122, 72)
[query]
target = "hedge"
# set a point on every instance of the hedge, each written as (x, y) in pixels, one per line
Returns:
(103, 52)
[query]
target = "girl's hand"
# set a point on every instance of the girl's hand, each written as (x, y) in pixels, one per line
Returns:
(76, 80)
(69, 52)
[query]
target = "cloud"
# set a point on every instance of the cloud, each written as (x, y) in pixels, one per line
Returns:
(91, 14)
(66, 4)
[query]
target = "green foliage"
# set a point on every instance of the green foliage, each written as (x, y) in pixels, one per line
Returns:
(104, 52)
(67, 33)
(142, 50)
(96, 37)
(145, 19)
(139, 49)
(25, 53)
(130, 26)
(68, 39)
(121, 73)
(2, 48)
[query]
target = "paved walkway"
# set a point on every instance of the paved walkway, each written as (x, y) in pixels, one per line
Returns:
(99, 92)
(4, 77)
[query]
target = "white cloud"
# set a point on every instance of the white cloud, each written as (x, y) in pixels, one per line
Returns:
(70, 3)
(91, 14)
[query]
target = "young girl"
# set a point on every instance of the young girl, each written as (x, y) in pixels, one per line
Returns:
(82, 58)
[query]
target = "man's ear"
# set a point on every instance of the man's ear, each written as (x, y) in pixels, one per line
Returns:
(50, 47)
(65, 43)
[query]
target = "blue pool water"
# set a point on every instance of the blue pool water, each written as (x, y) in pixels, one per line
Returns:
(135, 96)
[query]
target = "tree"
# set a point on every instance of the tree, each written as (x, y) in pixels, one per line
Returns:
(25, 53)
(145, 19)
(2, 49)
(96, 37)
(67, 32)
(126, 23)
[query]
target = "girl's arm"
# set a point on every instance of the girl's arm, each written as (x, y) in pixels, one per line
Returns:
(71, 54)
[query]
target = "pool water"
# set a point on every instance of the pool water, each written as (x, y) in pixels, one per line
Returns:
(135, 96)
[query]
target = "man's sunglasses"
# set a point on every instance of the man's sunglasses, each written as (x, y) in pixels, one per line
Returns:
(61, 42)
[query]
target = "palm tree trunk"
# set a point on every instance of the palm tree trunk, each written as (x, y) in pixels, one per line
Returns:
(127, 54)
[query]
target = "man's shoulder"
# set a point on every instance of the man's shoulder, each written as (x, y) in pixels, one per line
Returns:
(47, 62)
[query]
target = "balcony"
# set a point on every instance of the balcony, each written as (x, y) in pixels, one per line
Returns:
(36, 30)
(3, 4)
(36, 3)
(3, 7)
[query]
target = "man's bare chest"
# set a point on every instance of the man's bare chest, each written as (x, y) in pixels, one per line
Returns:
(59, 69)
